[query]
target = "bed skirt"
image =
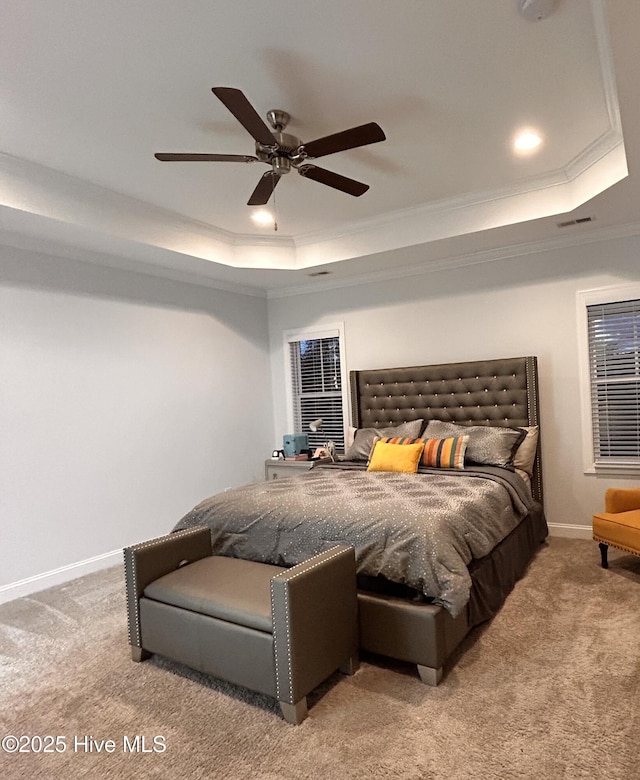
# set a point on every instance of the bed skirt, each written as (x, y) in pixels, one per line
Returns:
(395, 625)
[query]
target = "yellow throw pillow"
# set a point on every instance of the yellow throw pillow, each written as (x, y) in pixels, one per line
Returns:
(392, 440)
(396, 457)
(438, 453)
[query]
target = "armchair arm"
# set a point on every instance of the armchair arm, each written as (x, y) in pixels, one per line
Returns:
(314, 611)
(145, 562)
(621, 500)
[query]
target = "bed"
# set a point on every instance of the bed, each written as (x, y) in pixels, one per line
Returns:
(437, 551)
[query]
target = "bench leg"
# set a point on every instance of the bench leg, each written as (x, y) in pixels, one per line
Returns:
(351, 665)
(604, 548)
(294, 713)
(430, 676)
(139, 654)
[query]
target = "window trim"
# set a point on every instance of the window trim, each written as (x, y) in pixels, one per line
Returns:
(317, 332)
(585, 298)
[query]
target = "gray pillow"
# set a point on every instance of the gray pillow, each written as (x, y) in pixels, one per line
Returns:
(489, 445)
(363, 441)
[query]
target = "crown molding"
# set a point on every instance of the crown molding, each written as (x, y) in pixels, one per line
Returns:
(609, 145)
(459, 261)
(432, 210)
(46, 247)
(33, 181)
(45, 192)
(107, 221)
(607, 69)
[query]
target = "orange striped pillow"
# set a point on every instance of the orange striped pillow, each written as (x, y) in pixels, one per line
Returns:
(438, 453)
(445, 453)
(392, 440)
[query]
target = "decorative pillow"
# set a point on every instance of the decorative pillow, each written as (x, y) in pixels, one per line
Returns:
(490, 445)
(526, 452)
(445, 453)
(403, 458)
(363, 440)
(438, 453)
(393, 440)
(524, 477)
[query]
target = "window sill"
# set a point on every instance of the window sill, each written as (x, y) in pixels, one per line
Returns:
(614, 470)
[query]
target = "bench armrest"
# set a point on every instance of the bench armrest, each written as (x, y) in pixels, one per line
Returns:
(621, 500)
(315, 621)
(145, 562)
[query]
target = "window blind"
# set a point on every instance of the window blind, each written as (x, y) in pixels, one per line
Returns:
(316, 382)
(614, 360)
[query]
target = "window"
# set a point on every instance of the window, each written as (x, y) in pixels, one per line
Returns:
(317, 384)
(613, 343)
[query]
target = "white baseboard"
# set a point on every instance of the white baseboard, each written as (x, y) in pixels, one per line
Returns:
(48, 579)
(15, 590)
(570, 531)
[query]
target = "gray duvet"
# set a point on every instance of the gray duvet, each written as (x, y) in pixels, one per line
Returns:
(419, 530)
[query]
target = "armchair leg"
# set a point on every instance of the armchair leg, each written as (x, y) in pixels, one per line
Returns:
(604, 548)
(351, 665)
(139, 654)
(294, 713)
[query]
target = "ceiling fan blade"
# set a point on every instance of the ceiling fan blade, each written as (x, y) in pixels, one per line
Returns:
(245, 113)
(264, 190)
(180, 157)
(335, 180)
(362, 135)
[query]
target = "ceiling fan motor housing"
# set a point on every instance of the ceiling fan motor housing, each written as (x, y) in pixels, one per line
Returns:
(285, 151)
(281, 165)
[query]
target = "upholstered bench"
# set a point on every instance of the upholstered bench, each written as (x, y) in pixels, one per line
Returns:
(619, 524)
(274, 630)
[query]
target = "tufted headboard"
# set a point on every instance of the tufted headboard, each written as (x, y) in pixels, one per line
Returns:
(481, 392)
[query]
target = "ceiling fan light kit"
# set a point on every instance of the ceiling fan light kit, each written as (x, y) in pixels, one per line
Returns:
(283, 151)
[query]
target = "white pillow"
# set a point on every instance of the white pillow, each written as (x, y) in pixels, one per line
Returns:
(526, 452)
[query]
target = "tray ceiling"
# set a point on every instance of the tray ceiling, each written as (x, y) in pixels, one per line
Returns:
(88, 93)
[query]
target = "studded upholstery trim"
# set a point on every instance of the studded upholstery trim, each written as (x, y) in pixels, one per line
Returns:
(284, 688)
(612, 544)
(483, 392)
(133, 588)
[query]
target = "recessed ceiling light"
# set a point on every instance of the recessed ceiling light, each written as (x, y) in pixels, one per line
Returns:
(262, 217)
(526, 141)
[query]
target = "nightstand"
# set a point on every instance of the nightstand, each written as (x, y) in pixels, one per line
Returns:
(285, 468)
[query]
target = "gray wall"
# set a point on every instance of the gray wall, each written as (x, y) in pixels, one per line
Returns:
(521, 306)
(124, 400)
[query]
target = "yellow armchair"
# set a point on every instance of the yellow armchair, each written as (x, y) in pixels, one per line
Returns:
(619, 524)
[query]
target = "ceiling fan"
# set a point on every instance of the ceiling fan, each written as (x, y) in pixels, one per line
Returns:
(282, 151)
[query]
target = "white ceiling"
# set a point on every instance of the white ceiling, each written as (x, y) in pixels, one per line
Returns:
(89, 91)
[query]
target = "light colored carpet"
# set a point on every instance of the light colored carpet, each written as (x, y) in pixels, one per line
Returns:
(549, 689)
